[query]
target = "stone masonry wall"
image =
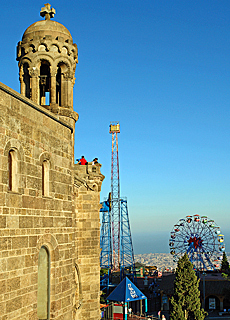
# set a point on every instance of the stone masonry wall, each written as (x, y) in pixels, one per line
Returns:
(87, 188)
(29, 220)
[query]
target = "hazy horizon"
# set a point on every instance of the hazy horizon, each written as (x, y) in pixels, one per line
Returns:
(158, 242)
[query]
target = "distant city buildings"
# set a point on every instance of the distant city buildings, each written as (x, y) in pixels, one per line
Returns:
(163, 261)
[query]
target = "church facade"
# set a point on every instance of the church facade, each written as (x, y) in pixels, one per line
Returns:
(49, 206)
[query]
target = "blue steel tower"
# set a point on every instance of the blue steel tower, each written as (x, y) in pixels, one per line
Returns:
(127, 253)
(116, 241)
(105, 238)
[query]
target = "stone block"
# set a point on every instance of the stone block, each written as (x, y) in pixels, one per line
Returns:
(31, 170)
(25, 281)
(2, 308)
(59, 222)
(19, 242)
(13, 304)
(33, 241)
(2, 265)
(26, 222)
(13, 284)
(13, 200)
(2, 286)
(2, 221)
(65, 301)
(15, 263)
(29, 261)
(33, 182)
(12, 222)
(47, 222)
(4, 243)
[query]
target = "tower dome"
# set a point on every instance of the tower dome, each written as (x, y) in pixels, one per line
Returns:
(47, 59)
(40, 28)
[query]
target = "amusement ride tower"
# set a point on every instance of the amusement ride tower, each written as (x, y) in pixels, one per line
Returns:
(114, 129)
(116, 242)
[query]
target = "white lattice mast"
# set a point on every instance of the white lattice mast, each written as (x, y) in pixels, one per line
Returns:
(115, 196)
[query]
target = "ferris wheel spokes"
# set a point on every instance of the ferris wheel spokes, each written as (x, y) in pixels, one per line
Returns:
(201, 238)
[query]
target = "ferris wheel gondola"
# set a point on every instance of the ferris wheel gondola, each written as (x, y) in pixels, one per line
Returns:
(200, 238)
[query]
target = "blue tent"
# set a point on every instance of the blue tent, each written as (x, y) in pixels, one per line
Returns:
(126, 291)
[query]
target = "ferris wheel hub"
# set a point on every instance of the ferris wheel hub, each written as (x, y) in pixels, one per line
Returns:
(196, 242)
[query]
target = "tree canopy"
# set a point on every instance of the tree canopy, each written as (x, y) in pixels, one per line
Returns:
(225, 264)
(185, 303)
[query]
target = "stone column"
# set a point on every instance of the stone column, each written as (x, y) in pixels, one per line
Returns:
(22, 83)
(65, 79)
(53, 73)
(70, 92)
(34, 84)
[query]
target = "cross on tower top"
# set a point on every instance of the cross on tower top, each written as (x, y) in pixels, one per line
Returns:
(47, 11)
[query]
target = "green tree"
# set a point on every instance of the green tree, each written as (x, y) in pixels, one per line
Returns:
(103, 272)
(185, 303)
(224, 264)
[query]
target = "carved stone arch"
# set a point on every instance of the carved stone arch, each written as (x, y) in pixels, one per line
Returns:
(14, 154)
(65, 62)
(54, 47)
(48, 240)
(25, 60)
(42, 47)
(65, 50)
(14, 144)
(46, 156)
(63, 82)
(31, 48)
(46, 164)
(78, 295)
(40, 58)
(64, 68)
(36, 45)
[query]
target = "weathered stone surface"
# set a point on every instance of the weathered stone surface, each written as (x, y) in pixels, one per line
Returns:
(65, 220)
(45, 200)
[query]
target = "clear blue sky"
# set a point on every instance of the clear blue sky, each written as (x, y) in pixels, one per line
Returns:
(162, 69)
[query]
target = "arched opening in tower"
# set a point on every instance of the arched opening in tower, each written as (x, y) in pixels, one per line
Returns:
(58, 86)
(62, 84)
(26, 79)
(45, 83)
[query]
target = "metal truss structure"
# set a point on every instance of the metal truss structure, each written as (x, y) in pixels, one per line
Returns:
(115, 197)
(127, 254)
(116, 242)
(105, 238)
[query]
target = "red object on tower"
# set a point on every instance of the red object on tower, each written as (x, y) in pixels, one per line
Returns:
(114, 129)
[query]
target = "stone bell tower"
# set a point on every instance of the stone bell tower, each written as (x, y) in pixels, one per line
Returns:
(47, 59)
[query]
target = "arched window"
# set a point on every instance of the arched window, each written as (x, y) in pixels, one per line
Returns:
(12, 169)
(45, 83)
(45, 178)
(43, 297)
(58, 87)
(26, 78)
(61, 85)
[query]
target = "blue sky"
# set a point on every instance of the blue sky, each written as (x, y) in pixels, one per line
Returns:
(162, 69)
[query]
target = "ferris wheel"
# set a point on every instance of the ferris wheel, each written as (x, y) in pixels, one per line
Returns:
(201, 239)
